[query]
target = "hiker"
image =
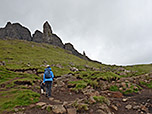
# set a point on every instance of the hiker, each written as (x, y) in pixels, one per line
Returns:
(47, 80)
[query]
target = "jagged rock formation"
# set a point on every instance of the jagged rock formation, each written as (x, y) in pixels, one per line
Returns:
(49, 37)
(37, 36)
(69, 46)
(17, 31)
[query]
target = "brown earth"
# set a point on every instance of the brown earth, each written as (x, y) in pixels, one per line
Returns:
(142, 100)
(135, 103)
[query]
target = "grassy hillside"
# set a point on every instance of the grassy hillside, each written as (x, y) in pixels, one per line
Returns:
(17, 54)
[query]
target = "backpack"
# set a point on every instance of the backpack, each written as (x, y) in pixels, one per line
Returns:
(47, 73)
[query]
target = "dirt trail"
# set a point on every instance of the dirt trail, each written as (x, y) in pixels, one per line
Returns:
(139, 103)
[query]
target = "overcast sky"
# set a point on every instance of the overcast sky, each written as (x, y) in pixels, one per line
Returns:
(110, 31)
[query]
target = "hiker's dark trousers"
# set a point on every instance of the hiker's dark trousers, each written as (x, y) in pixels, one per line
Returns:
(48, 85)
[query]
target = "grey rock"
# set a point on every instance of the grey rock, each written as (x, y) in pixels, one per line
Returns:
(70, 47)
(15, 31)
(40, 104)
(44, 107)
(99, 111)
(32, 105)
(47, 32)
(136, 107)
(114, 107)
(71, 111)
(49, 37)
(37, 36)
(16, 109)
(58, 109)
(105, 108)
(124, 100)
(57, 101)
(51, 98)
(128, 107)
(74, 69)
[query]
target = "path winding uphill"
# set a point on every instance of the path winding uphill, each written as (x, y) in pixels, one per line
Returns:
(73, 94)
(66, 101)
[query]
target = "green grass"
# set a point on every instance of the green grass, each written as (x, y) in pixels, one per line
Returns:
(79, 85)
(131, 90)
(14, 97)
(139, 69)
(93, 75)
(101, 99)
(92, 83)
(114, 88)
(17, 54)
(127, 90)
(149, 85)
(9, 77)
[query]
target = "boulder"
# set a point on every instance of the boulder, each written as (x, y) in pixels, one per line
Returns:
(105, 108)
(71, 111)
(74, 69)
(51, 98)
(40, 104)
(124, 100)
(99, 111)
(58, 109)
(114, 107)
(116, 95)
(128, 106)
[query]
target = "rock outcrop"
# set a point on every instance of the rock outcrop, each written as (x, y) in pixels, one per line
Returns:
(17, 31)
(69, 46)
(37, 36)
(49, 37)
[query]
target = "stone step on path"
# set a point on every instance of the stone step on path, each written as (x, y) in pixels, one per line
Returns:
(57, 108)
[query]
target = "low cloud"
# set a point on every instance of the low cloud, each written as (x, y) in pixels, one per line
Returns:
(113, 32)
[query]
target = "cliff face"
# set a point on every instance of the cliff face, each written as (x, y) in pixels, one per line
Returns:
(37, 36)
(17, 31)
(49, 37)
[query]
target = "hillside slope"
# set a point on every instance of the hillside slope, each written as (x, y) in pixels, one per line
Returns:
(80, 86)
(17, 31)
(19, 54)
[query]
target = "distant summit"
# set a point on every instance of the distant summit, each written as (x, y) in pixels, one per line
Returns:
(17, 31)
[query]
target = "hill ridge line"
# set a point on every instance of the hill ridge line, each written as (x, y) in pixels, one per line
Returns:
(17, 31)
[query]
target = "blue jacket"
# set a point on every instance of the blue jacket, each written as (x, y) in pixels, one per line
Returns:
(49, 79)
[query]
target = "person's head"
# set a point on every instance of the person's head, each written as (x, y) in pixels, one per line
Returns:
(47, 66)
